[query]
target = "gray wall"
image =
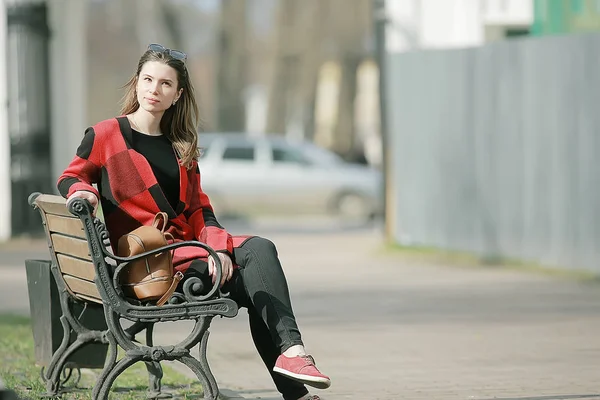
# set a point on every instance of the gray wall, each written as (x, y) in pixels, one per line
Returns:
(494, 150)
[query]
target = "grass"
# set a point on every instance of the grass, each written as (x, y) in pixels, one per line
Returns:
(465, 259)
(20, 374)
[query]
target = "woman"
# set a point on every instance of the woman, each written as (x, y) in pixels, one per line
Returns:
(145, 162)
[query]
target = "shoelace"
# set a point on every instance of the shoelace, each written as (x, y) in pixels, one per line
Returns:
(310, 360)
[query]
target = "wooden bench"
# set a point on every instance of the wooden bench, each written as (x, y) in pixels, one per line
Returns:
(86, 271)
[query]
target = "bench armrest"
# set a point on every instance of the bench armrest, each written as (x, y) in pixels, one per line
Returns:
(124, 262)
(112, 295)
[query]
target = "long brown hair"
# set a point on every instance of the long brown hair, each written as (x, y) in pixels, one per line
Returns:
(181, 121)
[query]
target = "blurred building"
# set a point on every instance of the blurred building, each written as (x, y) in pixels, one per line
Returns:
(433, 24)
(565, 16)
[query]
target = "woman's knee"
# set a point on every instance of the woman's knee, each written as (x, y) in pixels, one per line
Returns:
(261, 245)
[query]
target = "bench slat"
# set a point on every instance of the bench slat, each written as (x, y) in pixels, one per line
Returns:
(52, 204)
(65, 225)
(70, 246)
(82, 288)
(88, 298)
(76, 267)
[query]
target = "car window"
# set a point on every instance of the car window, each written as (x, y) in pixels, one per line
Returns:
(292, 156)
(239, 153)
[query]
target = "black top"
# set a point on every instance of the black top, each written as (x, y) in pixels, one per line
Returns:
(159, 152)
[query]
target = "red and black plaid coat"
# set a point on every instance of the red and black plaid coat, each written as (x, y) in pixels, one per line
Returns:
(130, 195)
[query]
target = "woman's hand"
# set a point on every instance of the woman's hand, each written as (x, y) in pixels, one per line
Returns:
(89, 196)
(226, 265)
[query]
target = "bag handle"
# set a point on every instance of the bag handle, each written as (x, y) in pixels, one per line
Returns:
(178, 276)
(161, 216)
(169, 236)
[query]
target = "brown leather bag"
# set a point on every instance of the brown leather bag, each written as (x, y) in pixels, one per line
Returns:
(149, 278)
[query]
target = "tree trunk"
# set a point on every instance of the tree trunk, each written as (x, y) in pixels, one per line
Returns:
(232, 63)
(344, 135)
(277, 109)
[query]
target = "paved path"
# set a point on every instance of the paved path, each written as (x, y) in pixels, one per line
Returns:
(396, 328)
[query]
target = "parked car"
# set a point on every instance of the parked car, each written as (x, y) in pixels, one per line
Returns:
(245, 175)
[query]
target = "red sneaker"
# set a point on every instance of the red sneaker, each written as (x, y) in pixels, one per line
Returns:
(302, 369)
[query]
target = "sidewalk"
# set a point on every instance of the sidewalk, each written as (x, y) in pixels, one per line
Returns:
(394, 328)
(391, 328)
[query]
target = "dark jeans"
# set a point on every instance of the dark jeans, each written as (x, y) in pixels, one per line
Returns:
(259, 285)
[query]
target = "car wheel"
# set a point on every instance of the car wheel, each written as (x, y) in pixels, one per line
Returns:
(353, 206)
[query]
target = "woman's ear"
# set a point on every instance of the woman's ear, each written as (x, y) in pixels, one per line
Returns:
(178, 96)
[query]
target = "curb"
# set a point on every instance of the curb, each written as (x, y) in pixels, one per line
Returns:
(228, 394)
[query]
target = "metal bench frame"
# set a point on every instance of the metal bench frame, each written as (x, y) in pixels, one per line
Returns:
(108, 268)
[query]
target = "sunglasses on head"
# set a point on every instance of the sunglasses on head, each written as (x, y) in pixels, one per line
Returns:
(176, 54)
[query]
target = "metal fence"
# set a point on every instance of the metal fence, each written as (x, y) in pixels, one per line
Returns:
(496, 150)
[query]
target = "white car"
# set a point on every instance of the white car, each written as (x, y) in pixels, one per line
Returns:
(245, 175)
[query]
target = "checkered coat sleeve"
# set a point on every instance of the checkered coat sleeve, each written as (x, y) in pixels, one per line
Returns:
(130, 195)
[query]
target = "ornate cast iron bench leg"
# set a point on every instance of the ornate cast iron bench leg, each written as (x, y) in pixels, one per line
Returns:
(153, 355)
(52, 376)
(155, 372)
(111, 359)
(201, 367)
(210, 383)
(58, 363)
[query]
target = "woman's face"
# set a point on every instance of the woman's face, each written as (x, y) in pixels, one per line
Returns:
(157, 87)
